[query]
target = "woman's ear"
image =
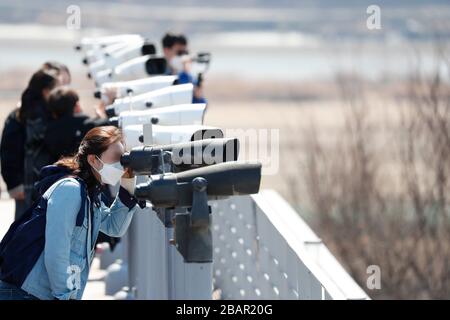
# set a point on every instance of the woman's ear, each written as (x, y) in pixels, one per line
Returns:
(92, 160)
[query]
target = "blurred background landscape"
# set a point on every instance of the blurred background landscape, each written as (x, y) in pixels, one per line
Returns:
(363, 115)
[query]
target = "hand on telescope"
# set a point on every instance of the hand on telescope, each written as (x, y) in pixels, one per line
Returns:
(128, 181)
(187, 63)
(100, 110)
(198, 92)
(111, 94)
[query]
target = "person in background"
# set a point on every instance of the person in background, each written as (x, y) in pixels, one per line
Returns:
(68, 124)
(14, 137)
(65, 78)
(175, 50)
(11, 158)
(33, 113)
(173, 46)
(12, 145)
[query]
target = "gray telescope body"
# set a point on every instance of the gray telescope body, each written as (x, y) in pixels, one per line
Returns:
(223, 179)
(184, 156)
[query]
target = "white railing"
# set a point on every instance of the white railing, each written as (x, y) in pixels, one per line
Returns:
(264, 250)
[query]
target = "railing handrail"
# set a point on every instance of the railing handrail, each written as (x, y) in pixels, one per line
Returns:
(309, 247)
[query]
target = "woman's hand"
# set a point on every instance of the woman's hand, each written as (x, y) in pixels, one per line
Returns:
(128, 181)
(111, 94)
(100, 110)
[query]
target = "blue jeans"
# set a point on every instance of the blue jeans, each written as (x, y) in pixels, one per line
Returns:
(11, 292)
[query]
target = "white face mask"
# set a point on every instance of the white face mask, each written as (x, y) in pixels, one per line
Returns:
(176, 63)
(110, 172)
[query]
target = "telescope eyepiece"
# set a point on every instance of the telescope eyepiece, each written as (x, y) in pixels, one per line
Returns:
(154, 120)
(110, 111)
(148, 48)
(114, 121)
(125, 160)
(97, 94)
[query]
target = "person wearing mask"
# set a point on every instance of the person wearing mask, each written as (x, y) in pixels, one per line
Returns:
(61, 270)
(173, 46)
(178, 62)
(65, 130)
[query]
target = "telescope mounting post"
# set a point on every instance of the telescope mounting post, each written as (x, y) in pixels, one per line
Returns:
(193, 236)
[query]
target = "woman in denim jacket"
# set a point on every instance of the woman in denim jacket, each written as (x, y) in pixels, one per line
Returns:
(61, 272)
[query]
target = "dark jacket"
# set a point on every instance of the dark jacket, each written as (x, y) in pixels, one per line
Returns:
(48, 139)
(36, 154)
(63, 136)
(12, 151)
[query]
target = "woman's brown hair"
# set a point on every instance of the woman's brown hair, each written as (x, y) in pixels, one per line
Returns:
(95, 142)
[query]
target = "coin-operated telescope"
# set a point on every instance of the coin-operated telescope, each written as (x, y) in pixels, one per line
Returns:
(169, 96)
(182, 114)
(192, 189)
(135, 87)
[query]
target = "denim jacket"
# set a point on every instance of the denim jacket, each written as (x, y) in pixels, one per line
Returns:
(62, 269)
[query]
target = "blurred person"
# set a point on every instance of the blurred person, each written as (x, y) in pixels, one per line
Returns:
(173, 47)
(68, 124)
(12, 159)
(34, 114)
(72, 214)
(175, 50)
(12, 145)
(65, 78)
(14, 136)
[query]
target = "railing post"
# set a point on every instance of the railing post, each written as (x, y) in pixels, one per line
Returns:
(193, 241)
(159, 270)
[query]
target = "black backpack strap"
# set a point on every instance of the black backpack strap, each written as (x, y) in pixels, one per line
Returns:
(83, 194)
